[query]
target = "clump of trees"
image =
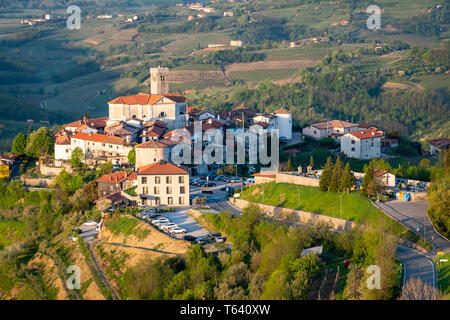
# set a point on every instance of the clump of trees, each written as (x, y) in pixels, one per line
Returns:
(37, 143)
(265, 263)
(438, 196)
(337, 178)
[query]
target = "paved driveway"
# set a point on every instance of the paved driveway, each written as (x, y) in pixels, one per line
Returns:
(89, 233)
(182, 219)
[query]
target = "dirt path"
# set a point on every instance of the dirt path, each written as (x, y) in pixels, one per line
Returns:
(101, 275)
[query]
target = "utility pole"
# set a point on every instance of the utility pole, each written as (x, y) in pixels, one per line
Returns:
(263, 193)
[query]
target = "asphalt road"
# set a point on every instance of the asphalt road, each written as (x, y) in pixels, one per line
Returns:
(414, 216)
(417, 265)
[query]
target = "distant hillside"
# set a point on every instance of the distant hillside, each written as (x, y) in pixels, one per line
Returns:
(60, 4)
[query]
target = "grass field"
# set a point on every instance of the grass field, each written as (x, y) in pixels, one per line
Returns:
(11, 231)
(354, 207)
(257, 76)
(126, 226)
(444, 275)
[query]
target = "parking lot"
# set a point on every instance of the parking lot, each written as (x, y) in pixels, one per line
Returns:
(184, 221)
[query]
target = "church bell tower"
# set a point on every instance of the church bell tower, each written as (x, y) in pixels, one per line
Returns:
(159, 80)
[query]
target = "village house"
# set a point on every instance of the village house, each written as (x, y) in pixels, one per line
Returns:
(153, 151)
(163, 183)
(115, 182)
(334, 129)
(438, 145)
(102, 147)
(363, 144)
(236, 43)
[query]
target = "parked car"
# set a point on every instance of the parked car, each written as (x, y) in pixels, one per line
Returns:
(249, 181)
(154, 216)
(177, 230)
(200, 240)
(189, 238)
(212, 236)
(236, 180)
(220, 239)
(160, 221)
(168, 226)
(90, 223)
(219, 178)
(209, 185)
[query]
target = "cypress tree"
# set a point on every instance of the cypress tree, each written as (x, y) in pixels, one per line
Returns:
(336, 177)
(327, 173)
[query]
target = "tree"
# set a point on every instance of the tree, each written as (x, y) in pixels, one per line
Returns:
(40, 143)
(19, 144)
(335, 182)
(327, 174)
(348, 179)
(416, 289)
(77, 157)
(132, 157)
(311, 162)
(289, 166)
(368, 177)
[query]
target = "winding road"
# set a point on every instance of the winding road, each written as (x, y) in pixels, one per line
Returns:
(414, 216)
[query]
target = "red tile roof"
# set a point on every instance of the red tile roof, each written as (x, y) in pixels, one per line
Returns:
(95, 137)
(62, 140)
(265, 174)
(146, 99)
(367, 134)
(440, 143)
(263, 125)
(152, 144)
(157, 123)
(334, 124)
(161, 167)
(282, 111)
(117, 177)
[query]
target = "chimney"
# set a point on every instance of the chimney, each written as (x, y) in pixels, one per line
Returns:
(162, 161)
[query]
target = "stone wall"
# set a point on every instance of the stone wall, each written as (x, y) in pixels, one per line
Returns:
(296, 179)
(53, 171)
(302, 217)
(39, 182)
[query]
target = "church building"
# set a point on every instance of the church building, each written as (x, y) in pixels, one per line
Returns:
(170, 108)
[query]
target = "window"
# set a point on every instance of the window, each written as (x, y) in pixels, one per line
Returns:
(315, 132)
(181, 200)
(353, 141)
(110, 146)
(169, 200)
(156, 189)
(180, 179)
(169, 190)
(163, 115)
(144, 180)
(168, 180)
(182, 190)
(157, 201)
(145, 190)
(157, 180)
(353, 149)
